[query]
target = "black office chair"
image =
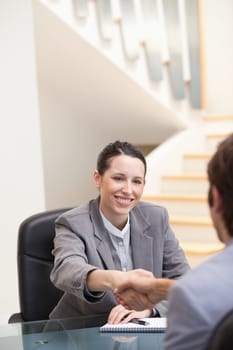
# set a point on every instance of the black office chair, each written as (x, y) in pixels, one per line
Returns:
(222, 336)
(37, 295)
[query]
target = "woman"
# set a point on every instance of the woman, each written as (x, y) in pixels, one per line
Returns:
(100, 244)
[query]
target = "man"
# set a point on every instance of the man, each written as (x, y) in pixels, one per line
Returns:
(201, 298)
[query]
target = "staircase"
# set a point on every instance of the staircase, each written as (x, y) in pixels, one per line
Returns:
(183, 191)
(155, 43)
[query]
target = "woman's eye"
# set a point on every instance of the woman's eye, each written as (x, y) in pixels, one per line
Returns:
(117, 178)
(120, 178)
(137, 182)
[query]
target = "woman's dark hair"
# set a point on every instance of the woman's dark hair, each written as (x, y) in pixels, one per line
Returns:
(220, 174)
(116, 149)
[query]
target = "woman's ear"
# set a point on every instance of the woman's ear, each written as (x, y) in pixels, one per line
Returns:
(97, 179)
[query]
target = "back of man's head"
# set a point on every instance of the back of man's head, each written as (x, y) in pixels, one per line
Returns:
(220, 174)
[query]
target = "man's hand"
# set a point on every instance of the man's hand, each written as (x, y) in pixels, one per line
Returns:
(143, 293)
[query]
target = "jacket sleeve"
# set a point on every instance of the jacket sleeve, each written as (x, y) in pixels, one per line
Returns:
(71, 265)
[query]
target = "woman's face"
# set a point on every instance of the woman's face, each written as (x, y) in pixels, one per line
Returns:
(121, 187)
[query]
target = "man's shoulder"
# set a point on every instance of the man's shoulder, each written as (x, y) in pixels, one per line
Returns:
(206, 275)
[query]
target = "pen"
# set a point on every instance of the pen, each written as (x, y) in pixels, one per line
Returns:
(141, 322)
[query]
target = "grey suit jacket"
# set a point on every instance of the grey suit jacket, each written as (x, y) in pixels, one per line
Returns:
(199, 301)
(81, 245)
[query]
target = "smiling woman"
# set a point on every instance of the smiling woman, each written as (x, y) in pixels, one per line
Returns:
(121, 187)
(111, 239)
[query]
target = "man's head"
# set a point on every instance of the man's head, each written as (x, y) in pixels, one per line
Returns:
(220, 174)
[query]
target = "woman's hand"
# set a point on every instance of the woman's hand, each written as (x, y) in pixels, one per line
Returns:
(119, 314)
(101, 280)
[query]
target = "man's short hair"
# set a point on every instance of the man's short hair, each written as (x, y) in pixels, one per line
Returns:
(220, 174)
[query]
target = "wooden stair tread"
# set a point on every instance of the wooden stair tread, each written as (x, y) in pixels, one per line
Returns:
(191, 220)
(201, 248)
(185, 176)
(217, 117)
(175, 197)
(198, 155)
(217, 135)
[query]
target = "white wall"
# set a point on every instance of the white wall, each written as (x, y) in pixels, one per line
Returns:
(21, 178)
(218, 28)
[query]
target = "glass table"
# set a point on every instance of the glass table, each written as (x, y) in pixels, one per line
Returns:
(74, 334)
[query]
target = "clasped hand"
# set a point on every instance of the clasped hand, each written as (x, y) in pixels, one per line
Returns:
(136, 291)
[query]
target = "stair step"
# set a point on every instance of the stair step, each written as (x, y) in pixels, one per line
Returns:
(219, 118)
(201, 248)
(174, 197)
(193, 183)
(193, 176)
(181, 204)
(191, 220)
(218, 136)
(197, 253)
(194, 229)
(215, 122)
(196, 162)
(213, 139)
(204, 155)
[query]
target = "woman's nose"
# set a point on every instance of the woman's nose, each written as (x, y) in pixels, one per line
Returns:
(127, 187)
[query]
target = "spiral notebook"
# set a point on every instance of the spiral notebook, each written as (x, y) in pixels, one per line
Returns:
(151, 325)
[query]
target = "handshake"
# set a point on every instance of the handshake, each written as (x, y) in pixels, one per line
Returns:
(139, 289)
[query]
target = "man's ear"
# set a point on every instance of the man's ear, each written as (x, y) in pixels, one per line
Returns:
(97, 179)
(217, 199)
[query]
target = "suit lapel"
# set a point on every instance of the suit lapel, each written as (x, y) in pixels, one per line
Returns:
(104, 251)
(101, 237)
(141, 242)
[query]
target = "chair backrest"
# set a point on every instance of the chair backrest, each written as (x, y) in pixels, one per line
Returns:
(222, 336)
(37, 294)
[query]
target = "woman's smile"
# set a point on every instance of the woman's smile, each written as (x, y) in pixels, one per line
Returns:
(123, 200)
